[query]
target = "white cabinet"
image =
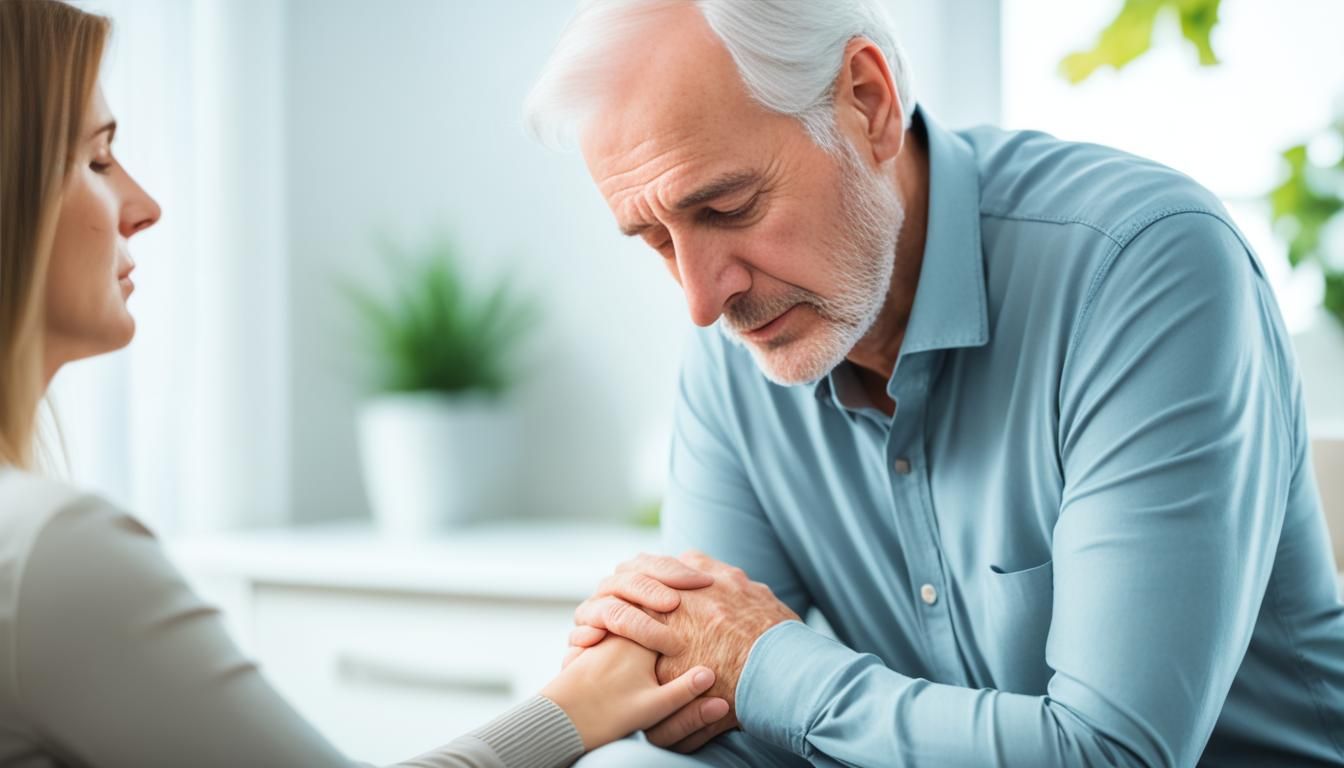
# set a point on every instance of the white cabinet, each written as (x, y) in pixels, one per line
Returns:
(392, 648)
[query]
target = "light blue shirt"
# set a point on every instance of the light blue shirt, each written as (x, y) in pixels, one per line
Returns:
(1089, 535)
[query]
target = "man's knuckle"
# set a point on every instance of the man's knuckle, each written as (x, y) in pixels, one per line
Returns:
(623, 617)
(657, 591)
(643, 587)
(688, 721)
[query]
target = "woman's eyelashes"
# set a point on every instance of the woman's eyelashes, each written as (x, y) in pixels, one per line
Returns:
(102, 161)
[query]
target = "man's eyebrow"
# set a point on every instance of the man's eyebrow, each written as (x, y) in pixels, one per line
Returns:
(723, 185)
(110, 127)
(635, 229)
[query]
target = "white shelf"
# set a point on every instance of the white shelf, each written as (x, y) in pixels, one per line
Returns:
(528, 560)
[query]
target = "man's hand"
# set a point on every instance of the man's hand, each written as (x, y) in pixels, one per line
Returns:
(714, 624)
(630, 603)
(718, 624)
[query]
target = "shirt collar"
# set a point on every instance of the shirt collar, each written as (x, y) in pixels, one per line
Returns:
(951, 309)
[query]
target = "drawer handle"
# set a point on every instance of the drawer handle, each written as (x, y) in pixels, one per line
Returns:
(357, 669)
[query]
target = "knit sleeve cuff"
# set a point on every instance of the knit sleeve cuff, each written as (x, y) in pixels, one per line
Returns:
(535, 734)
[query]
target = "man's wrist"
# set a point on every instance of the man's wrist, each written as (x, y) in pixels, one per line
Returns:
(756, 662)
(781, 684)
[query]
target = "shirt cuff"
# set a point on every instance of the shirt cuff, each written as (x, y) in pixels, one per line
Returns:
(784, 683)
(535, 734)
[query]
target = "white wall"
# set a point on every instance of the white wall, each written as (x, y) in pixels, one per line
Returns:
(955, 49)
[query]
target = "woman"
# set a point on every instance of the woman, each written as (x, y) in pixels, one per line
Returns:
(108, 657)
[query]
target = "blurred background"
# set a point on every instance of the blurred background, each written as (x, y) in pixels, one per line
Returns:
(319, 162)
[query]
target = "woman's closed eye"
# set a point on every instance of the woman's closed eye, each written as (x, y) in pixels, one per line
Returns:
(102, 161)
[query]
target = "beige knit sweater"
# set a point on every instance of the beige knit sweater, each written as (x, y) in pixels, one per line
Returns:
(108, 659)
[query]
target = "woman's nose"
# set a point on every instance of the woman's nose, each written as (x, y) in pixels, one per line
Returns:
(140, 211)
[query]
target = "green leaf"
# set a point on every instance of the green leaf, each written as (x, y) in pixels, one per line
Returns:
(1301, 207)
(1198, 18)
(433, 332)
(1334, 293)
(1130, 35)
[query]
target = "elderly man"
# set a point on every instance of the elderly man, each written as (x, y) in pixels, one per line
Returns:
(1017, 417)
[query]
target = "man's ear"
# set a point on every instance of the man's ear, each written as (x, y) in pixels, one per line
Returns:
(867, 99)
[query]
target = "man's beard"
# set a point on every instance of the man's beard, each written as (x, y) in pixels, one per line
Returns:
(863, 261)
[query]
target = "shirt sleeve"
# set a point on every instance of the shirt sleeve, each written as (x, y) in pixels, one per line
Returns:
(710, 504)
(118, 663)
(1177, 456)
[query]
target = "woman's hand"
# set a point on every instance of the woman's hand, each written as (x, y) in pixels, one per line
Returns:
(610, 691)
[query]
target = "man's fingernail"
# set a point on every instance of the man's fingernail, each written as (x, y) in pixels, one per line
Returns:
(703, 679)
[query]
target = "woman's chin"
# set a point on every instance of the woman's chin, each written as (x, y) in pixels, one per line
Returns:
(127, 332)
(116, 335)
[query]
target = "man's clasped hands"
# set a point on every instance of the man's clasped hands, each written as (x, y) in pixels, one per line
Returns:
(666, 616)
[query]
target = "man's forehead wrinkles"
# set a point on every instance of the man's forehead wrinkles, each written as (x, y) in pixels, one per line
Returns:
(638, 194)
(635, 168)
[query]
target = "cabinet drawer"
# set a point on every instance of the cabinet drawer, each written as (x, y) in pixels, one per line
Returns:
(387, 676)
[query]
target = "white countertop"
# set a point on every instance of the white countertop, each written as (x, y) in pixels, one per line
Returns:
(515, 559)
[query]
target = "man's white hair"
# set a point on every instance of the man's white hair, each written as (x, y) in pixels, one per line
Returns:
(788, 53)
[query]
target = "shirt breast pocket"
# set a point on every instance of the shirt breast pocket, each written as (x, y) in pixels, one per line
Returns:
(1016, 611)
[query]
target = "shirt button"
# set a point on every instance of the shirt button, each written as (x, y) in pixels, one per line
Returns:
(902, 466)
(928, 594)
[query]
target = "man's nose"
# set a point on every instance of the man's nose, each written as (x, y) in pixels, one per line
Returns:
(711, 277)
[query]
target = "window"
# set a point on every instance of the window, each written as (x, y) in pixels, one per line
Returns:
(1281, 80)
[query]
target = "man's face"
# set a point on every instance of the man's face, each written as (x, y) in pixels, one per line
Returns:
(788, 246)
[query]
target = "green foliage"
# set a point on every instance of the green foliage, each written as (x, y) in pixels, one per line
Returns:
(433, 333)
(649, 515)
(1130, 35)
(1334, 293)
(1303, 205)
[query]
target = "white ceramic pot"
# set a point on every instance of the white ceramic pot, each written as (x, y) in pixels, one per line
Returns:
(434, 461)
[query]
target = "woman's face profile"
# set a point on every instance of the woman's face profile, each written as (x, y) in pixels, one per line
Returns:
(88, 279)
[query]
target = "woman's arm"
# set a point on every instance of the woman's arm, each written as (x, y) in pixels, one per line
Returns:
(118, 663)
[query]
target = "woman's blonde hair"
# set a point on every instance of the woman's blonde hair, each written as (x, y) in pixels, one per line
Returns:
(50, 53)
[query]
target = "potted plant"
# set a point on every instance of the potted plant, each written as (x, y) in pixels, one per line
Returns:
(439, 437)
